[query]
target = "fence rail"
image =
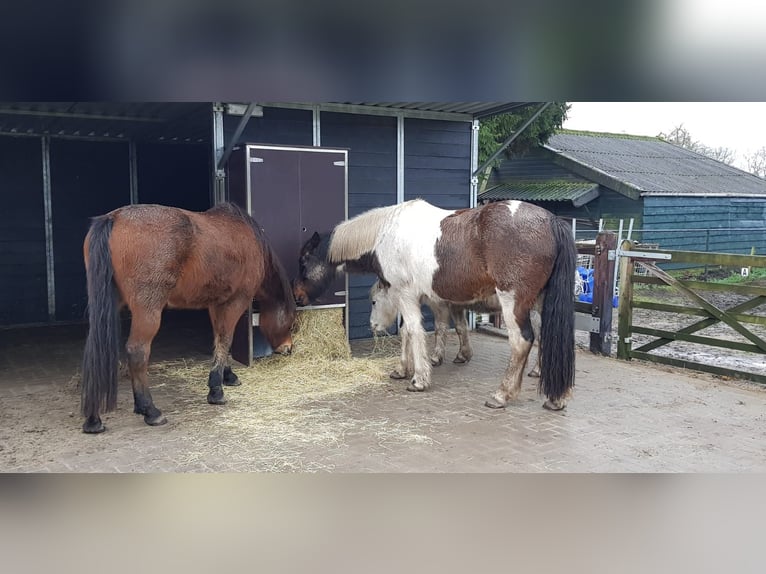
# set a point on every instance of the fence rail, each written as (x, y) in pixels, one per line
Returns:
(736, 317)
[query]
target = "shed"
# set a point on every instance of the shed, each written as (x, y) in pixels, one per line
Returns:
(678, 198)
(64, 162)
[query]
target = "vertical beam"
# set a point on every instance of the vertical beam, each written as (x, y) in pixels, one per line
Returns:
(316, 123)
(133, 159)
(474, 199)
(603, 291)
(625, 309)
(400, 158)
(219, 175)
(48, 206)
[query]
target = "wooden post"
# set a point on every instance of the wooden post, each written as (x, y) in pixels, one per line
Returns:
(625, 309)
(603, 291)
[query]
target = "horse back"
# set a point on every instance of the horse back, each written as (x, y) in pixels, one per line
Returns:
(182, 258)
(503, 245)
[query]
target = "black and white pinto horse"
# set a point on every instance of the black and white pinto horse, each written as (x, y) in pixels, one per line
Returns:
(517, 252)
(317, 274)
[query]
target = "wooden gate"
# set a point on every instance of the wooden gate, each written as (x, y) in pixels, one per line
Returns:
(736, 316)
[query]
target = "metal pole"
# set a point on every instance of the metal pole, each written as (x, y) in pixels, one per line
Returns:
(133, 160)
(400, 158)
(219, 175)
(513, 136)
(48, 206)
(315, 121)
(235, 138)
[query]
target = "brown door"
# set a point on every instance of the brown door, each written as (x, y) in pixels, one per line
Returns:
(293, 192)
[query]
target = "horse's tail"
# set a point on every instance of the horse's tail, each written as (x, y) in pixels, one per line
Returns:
(557, 343)
(101, 356)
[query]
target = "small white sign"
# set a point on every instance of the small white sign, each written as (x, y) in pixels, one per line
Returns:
(745, 271)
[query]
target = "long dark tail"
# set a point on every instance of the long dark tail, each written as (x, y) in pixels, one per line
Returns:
(100, 360)
(557, 343)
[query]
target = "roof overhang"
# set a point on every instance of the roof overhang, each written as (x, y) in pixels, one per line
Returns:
(579, 193)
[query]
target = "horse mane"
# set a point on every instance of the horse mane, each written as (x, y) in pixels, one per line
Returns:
(358, 236)
(278, 289)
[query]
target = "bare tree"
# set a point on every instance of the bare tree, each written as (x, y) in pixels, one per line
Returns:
(756, 162)
(680, 136)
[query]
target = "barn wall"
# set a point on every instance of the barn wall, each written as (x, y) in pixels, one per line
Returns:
(23, 270)
(735, 224)
(174, 174)
(276, 126)
(371, 141)
(88, 178)
(437, 162)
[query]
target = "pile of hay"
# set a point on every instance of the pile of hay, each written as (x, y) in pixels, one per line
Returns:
(321, 367)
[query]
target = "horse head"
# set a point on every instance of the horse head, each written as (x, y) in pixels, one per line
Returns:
(315, 273)
(384, 307)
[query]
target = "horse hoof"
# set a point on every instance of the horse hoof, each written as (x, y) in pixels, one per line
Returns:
(534, 374)
(156, 420)
(459, 360)
(397, 375)
(215, 397)
(93, 427)
(233, 381)
(415, 387)
(436, 361)
(493, 403)
(554, 406)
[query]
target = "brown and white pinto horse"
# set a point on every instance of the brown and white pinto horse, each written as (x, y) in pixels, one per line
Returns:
(518, 252)
(148, 257)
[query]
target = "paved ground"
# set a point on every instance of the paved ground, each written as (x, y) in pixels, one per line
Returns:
(625, 417)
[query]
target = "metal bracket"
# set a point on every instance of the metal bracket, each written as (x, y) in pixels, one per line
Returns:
(611, 255)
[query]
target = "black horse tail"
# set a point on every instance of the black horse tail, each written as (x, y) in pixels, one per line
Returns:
(557, 340)
(101, 356)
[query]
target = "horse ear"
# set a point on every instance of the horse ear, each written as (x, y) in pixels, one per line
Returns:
(314, 241)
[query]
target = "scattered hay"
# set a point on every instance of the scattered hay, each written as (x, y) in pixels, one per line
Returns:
(284, 406)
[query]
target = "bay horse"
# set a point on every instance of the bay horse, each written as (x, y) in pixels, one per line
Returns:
(317, 274)
(148, 257)
(520, 253)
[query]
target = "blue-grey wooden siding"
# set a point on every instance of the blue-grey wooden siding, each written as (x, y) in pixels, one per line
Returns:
(88, 178)
(437, 162)
(723, 224)
(371, 141)
(174, 174)
(276, 126)
(23, 275)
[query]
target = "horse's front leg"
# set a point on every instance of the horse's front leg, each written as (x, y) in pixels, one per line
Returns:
(223, 318)
(461, 328)
(404, 369)
(418, 351)
(441, 325)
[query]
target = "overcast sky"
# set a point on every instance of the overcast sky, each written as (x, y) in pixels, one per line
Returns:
(740, 126)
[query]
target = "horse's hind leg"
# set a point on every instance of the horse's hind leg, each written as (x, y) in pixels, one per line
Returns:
(224, 318)
(520, 338)
(144, 325)
(536, 321)
(461, 328)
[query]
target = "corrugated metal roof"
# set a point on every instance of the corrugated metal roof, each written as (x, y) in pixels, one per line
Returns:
(653, 166)
(166, 121)
(476, 109)
(551, 190)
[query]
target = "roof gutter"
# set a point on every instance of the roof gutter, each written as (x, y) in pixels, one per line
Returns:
(510, 140)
